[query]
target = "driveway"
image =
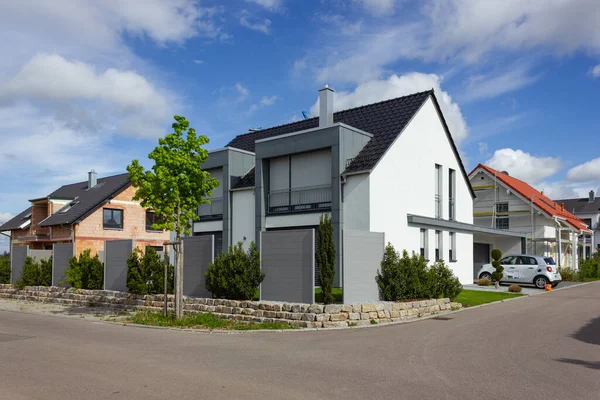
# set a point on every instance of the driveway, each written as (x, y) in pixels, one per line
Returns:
(527, 289)
(538, 347)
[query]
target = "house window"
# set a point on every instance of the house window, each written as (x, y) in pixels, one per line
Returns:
(157, 248)
(151, 220)
(438, 191)
(112, 218)
(452, 252)
(424, 244)
(451, 194)
(438, 245)
(588, 222)
(502, 220)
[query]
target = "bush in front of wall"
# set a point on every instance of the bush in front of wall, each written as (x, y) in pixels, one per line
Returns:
(236, 274)
(4, 268)
(443, 282)
(569, 274)
(515, 288)
(484, 282)
(145, 272)
(85, 272)
(590, 269)
(35, 273)
(325, 256)
(46, 272)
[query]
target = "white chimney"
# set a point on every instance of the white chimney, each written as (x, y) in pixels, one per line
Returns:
(92, 180)
(325, 107)
(592, 196)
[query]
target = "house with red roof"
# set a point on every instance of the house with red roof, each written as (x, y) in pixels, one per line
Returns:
(507, 203)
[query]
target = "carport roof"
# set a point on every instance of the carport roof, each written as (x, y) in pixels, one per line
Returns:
(464, 227)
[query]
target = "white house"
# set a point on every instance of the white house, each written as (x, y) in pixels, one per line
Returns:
(507, 203)
(388, 167)
(588, 210)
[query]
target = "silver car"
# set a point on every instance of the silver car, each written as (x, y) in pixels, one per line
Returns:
(525, 268)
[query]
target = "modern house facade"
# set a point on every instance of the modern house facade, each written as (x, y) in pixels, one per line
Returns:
(507, 203)
(388, 167)
(85, 214)
(588, 210)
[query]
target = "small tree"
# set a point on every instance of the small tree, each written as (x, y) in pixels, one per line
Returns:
(145, 273)
(46, 272)
(4, 268)
(391, 286)
(236, 274)
(30, 274)
(497, 275)
(326, 258)
(175, 187)
(85, 272)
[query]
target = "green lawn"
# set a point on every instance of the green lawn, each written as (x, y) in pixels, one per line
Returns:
(202, 321)
(469, 298)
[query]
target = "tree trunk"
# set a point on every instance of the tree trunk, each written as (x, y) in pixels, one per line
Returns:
(179, 280)
(166, 287)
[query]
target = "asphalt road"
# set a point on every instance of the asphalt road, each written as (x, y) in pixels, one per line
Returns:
(539, 347)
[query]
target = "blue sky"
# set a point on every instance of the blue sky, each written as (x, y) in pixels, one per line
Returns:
(93, 84)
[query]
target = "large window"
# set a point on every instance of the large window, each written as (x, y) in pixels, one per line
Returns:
(438, 245)
(150, 220)
(438, 191)
(424, 244)
(112, 218)
(451, 194)
(501, 216)
(452, 252)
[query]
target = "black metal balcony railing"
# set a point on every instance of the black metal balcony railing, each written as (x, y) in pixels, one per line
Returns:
(214, 210)
(314, 198)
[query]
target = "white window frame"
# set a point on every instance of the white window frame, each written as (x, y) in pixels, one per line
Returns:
(439, 208)
(451, 194)
(439, 245)
(424, 237)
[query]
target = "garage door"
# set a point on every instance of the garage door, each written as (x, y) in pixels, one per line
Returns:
(481, 255)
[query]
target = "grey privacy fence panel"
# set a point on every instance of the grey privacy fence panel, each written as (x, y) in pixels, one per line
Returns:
(198, 254)
(288, 261)
(39, 255)
(17, 259)
(362, 255)
(116, 253)
(60, 261)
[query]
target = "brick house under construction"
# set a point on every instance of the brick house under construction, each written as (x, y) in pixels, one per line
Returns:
(86, 214)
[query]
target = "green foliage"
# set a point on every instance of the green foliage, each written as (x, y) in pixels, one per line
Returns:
(496, 256)
(569, 274)
(590, 269)
(176, 185)
(235, 274)
(204, 321)
(5, 268)
(146, 272)
(35, 273)
(515, 288)
(85, 272)
(409, 277)
(325, 255)
(484, 282)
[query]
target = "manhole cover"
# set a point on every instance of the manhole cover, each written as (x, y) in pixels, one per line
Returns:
(442, 318)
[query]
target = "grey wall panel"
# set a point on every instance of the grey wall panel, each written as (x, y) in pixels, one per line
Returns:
(279, 171)
(39, 255)
(17, 259)
(288, 261)
(363, 252)
(116, 253)
(357, 199)
(311, 169)
(60, 261)
(197, 256)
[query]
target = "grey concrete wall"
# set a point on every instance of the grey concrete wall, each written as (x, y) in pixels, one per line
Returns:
(357, 198)
(17, 259)
(363, 252)
(39, 255)
(60, 261)
(198, 254)
(116, 253)
(288, 261)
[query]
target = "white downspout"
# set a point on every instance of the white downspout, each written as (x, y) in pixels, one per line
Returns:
(558, 226)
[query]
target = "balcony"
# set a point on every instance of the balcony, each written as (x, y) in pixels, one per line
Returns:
(297, 200)
(212, 211)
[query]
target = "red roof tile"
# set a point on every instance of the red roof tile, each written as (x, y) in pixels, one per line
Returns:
(541, 201)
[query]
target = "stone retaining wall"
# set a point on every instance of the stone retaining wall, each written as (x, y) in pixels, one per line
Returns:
(302, 315)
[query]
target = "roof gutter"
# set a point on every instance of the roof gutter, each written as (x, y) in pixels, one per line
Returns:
(4, 234)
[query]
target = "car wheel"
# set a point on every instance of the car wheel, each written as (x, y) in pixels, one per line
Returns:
(540, 282)
(486, 275)
(555, 284)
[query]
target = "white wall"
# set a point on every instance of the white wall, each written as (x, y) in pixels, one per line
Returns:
(404, 183)
(242, 217)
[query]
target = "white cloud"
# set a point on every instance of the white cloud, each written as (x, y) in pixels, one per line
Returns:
(265, 101)
(378, 7)
(271, 5)
(524, 166)
(242, 91)
(596, 71)
(588, 171)
(255, 24)
(344, 26)
(486, 86)
(483, 148)
(396, 86)
(5, 217)
(199, 62)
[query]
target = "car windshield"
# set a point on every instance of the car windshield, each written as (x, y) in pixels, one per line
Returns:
(549, 260)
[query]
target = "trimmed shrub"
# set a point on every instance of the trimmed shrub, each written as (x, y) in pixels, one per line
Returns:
(409, 277)
(5, 268)
(35, 273)
(85, 272)
(590, 269)
(146, 272)
(484, 282)
(235, 275)
(569, 274)
(496, 256)
(325, 255)
(515, 288)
